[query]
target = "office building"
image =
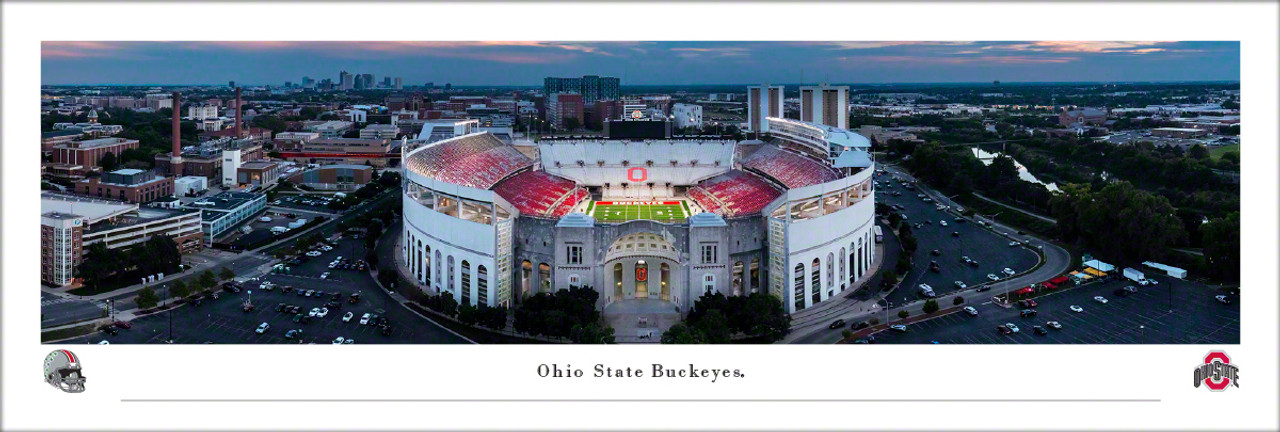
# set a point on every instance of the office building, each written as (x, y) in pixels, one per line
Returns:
(562, 107)
(226, 210)
(89, 152)
(591, 87)
(687, 115)
(346, 81)
(130, 185)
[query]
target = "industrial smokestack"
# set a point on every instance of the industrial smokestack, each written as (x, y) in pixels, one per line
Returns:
(238, 118)
(176, 162)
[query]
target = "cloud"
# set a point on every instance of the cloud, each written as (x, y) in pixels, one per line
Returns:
(934, 60)
(519, 52)
(858, 45)
(1142, 47)
(691, 52)
(77, 49)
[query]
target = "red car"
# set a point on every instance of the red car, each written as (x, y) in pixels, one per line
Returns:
(123, 324)
(1032, 303)
(1004, 330)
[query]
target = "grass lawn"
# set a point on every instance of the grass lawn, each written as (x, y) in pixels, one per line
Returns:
(626, 212)
(1216, 152)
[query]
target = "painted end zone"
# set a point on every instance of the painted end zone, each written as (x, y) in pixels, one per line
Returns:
(606, 203)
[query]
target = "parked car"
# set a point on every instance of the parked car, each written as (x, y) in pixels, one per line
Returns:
(339, 340)
(1014, 244)
(314, 312)
(1222, 299)
(347, 317)
(262, 328)
(280, 307)
(364, 319)
(293, 333)
(323, 312)
(1012, 327)
(297, 317)
(955, 234)
(961, 285)
(993, 277)
(971, 311)
(111, 330)
(1026, 313)
(1007, 271)
(935, 252)
(984, 288)
(898, 328)
(123, 324)
(324, 275)
(1039, 330)
(836, 324)
(1004, 330)
(1100, 299)
(1054, 325)
(1076, 309)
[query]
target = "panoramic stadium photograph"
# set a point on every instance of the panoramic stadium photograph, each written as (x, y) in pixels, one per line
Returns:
(490, 192)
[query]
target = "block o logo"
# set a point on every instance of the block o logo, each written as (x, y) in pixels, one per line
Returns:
(637, 174)
(642, 274)
(1217, 373)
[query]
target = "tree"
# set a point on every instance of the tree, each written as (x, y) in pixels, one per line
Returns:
(226, 273)
(846, 333)
(571, 123)
(207, 279)
(109, 162)
(930, 306)
(681, 334)
(146, 298)
(1198, 152)
(958, 301)
(714, 327)
(179, 289)
(873, 321)
(904, 264)
(1221, 237)
(903, 314)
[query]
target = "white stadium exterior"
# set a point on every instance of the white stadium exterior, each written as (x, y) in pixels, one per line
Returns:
(791, 216)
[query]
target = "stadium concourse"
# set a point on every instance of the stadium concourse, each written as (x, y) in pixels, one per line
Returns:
(650, 224)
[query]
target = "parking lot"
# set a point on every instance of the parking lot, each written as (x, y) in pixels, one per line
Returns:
(222, 321)
(309, 202)
(1173, 312)
(990, 250)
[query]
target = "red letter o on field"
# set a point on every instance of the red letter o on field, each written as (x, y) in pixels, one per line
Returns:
(633, 176)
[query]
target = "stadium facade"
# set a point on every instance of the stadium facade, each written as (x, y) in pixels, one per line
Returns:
(650, 224)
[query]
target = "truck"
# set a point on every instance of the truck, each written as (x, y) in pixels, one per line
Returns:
(879, 234)
(1136, 276)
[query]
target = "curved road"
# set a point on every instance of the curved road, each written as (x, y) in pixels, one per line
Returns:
(1056, 262)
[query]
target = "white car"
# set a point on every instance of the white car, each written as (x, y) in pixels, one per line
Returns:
(347, 317)
(943, 223)
(267, 286)
(263, 328)
(104, 342)
(1011, 327)
(349, 341)
(971, 311)
(993, 277)
(339, 341)
(1014, 244)
(1076, 309)
(1007, 271)
(314, 312)
(333, 264)
(313, 254)
(364, 319)
(1100, 299)
(1054, 325)
(323, 312)
(961, 285)
(324, 275)
(898, 327)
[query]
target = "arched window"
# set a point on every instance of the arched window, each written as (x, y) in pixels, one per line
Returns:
(617, 281)
(544, 275)
(438, 274)
(842, 263)
(799, 286)
(737, 278)
(526, 277)
(708, 283)
(466, 281)
(427, 266)
(815, 280)
(830, 270)
(482, 284)
(575, 280)
(451, 284)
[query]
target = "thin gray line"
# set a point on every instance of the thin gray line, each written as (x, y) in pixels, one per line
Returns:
(638, 400)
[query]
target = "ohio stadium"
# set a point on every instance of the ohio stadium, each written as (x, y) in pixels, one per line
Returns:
(651, 224)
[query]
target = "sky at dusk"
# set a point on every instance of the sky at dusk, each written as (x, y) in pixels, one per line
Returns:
(637, 63)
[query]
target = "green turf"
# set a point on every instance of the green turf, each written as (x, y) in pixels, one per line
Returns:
(1216, 152)
(626, 212)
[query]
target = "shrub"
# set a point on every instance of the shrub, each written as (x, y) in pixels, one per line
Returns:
(958, 301)
(903, 314)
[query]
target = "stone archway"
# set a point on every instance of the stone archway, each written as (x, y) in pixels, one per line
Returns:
(641, 271)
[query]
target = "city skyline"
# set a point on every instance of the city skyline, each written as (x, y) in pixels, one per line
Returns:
(637, 63)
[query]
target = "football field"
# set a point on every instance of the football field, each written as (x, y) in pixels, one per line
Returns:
(617, 211)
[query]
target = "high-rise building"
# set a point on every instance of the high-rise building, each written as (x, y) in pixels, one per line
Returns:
(591, 87)
(763, 101)
(386, 82)
(366, 79)
(346, 81)
(308, 83)
(399, 84)
(826, 105)
(562, 107)
(231, 84)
